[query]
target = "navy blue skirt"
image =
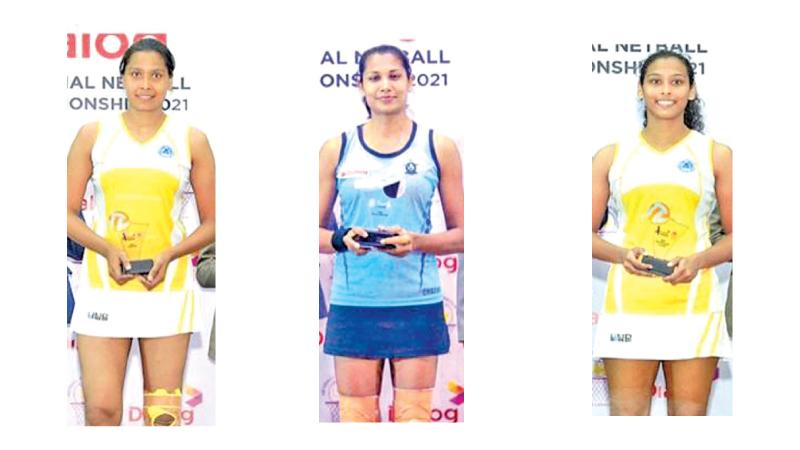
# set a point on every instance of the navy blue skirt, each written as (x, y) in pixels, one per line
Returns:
(389, 332)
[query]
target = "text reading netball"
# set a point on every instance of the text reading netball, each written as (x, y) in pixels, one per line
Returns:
(627, 58)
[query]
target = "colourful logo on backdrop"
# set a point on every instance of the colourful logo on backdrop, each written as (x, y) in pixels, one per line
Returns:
(192, 396)
(457, 389)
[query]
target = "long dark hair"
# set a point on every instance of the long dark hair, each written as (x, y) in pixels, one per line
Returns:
(692, 115)
(380, 50)
(149, 45)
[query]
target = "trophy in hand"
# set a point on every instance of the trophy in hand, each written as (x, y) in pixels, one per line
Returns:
(130, 236)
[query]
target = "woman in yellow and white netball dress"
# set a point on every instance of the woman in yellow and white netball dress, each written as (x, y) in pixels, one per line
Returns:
(661, 201)
(140, 165)
(140, 192)
(658, 190)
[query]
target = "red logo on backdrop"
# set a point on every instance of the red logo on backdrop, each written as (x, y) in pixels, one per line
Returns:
(107, 45)
(450, 263)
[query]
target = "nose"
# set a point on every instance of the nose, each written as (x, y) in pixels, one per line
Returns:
(385, 83)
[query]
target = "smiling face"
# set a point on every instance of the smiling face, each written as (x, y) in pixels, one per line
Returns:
(146, 81)
(666, 89)
(385, 84)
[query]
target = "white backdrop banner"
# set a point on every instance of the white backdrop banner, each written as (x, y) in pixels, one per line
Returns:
(93, 90)
(615, 72)
(433, 102)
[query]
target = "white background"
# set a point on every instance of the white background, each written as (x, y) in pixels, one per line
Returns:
(529, 96)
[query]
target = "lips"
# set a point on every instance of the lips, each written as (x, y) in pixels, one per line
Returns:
(665, 103)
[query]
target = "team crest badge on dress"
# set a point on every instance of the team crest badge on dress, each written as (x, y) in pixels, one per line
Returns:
(686, 166)
(166, 151)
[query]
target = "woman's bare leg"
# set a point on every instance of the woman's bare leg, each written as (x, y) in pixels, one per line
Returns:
(413, 379)
(689, 385)
(103, 361)
(630, 384)
(359, 383)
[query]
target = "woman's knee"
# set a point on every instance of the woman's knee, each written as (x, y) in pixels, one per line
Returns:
(103, 414)
(630, 406)
(686, 408)
(358, 377)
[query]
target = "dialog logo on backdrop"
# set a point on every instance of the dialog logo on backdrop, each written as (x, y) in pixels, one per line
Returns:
(192, 396)
(429, 65)
(105, 45)
(625, 58)
(93, 80)
(458, 390)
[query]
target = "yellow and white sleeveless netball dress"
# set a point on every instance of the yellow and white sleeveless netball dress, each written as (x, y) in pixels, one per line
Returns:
(661, 201)
(139, 191)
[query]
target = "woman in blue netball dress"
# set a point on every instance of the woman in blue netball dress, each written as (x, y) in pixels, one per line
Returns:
(660, 189)
(140, 164)
(386, 302)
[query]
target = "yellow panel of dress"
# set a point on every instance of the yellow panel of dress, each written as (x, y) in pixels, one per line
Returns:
(140, 193)
(661, 201)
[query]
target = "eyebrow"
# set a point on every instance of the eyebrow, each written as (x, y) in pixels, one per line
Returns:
(659, 74)
(390, 71)
(145, 70)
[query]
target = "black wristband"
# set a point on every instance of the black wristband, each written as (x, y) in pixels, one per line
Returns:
(337, 239)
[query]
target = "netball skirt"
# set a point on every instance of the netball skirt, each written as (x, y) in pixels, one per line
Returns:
(386, 332)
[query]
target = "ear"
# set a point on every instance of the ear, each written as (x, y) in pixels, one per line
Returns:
(693, 93)
(411, 80)
(639, 92)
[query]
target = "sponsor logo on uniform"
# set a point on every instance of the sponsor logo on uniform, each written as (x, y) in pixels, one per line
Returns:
(166, 151)
(618, 337)
(686, 166)
(658, 213)
(431, 291)
(353, 173)
(98, 316)
(411, 168)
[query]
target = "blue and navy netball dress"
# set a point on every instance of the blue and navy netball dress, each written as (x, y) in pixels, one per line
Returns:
(383, 306)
